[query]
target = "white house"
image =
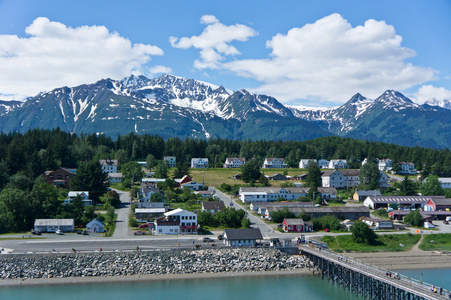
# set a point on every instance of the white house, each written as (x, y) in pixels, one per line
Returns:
(212, 206)
(274, 163)
(408, 168)
(199, 163)
(146, 192)
(333, 178)
(234, 162)
(385, 165)
(323, 163)
(108, 165)
(445, 182)
(242, 237)
(378, 223)
(178, 221)
(193, 186)
(95, 226)
(84, 197)
(269, 194)
(52, 225)
(338, 164)
(115, 177)
(170, 161)
(303, 163)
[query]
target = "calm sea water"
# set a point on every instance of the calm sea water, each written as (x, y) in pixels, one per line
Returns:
(265, 287)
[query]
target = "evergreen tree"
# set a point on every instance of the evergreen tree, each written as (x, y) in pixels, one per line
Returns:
(407, 187)
(161, 170)
(90, 177)
(369, 176)
(363, 234)
(313, 176)
(250, 171)
(431, 187)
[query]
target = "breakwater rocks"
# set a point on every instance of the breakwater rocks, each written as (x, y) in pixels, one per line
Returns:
(145, 263)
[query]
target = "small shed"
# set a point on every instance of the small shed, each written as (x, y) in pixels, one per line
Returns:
(297, 225)
(95, 226)
(242, 237)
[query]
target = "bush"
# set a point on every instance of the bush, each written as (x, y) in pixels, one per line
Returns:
(363, 234)
(132, 222)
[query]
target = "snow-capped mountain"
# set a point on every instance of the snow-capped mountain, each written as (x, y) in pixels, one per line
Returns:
(446, 104)
(175, 106)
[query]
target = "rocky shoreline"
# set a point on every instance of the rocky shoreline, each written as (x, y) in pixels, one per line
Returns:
(147, 263)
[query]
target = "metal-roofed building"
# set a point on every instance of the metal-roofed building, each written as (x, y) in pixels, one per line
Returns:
(52, 225)
(375, 202)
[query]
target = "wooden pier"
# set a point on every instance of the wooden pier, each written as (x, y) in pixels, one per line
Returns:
(365, 280)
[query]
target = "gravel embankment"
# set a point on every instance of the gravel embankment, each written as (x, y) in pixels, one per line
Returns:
(147, 263)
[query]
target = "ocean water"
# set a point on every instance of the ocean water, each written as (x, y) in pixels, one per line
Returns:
(237, 288)
(303, 287)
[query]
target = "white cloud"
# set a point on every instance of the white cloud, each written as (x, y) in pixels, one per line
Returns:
(429, 92)
(55, 55)
(160, 70)
(214, 42)
(329, 61)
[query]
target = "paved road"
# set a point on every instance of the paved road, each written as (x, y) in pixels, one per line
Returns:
(266, 230)
(122, 230)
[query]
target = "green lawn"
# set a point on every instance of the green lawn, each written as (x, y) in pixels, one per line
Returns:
(385, 243)
(436, 241)
(216, 176)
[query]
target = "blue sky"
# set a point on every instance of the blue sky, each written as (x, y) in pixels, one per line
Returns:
(313, 53)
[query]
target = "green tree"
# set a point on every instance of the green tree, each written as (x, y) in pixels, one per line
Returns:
(245, 223)
(150, 161)
(279, 215)
(132, 171)
(407, 187)
(90, 177)
(369, 176)
(156, 197)
(413, 218)
(431, 187)
(250, 171)
(313, 176)
(112, 198)
(363, 234)
(161, 170)
(181, 170)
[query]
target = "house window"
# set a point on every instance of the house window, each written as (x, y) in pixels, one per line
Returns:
(59, 177)
(160, 230)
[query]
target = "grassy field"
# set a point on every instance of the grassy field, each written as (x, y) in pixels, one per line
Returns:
(438, 241)
(220, 175)
(385, 243)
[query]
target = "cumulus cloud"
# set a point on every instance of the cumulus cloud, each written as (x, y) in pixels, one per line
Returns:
(214, 42)
(429, 92)
(330, 60)
(160, 70)
(55, 55)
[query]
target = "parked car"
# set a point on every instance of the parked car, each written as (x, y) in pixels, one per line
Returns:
(60, 232)
(85, 232)
(220, 237)
(79, 232)
(139, 232)
(145, 225)
(206, 240)
(35, 232)
(327, 230)
(445, 222)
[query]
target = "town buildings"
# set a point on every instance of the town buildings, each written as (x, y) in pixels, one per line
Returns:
(170, 161)
(274, 163)
(199, 163)
(108, 165)
(234, 162)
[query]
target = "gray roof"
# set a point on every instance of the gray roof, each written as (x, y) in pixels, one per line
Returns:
(282, 204)
(54, 222)
(402, 199)
(350, 172)
(294, 221)
(369, 193)
(342, 209)
(441, 201)
(327, 190)
(213, 205)
(376, 220)
(274, 190)
(243, 234)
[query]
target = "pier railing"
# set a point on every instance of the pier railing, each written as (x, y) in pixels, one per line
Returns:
(388, 277)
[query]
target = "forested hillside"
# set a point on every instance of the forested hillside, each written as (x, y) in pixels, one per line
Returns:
(36, 151)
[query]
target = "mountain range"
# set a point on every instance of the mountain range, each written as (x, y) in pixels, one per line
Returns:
(174, 106)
